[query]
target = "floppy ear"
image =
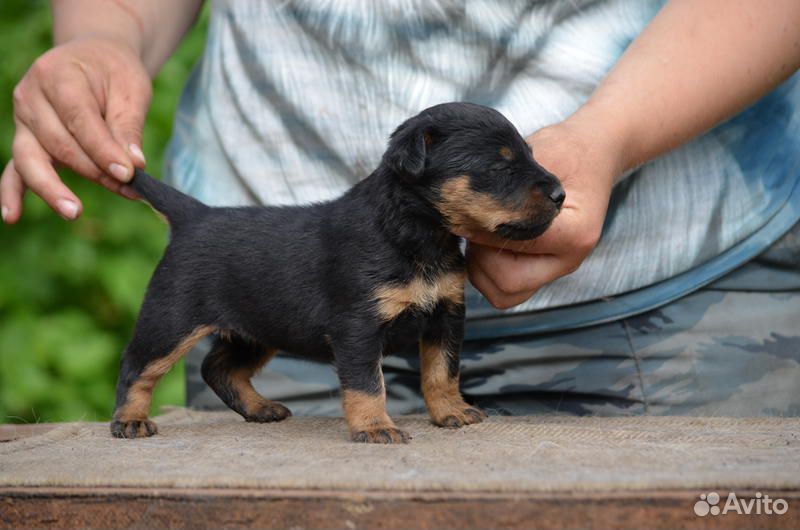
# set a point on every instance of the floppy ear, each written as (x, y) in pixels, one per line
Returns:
(408, 148)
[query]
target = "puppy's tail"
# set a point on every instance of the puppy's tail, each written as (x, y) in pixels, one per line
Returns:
(177, 207)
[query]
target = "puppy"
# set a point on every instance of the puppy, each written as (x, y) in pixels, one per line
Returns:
(350, 280)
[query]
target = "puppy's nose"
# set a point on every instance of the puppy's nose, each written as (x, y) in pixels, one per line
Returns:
(558, 195)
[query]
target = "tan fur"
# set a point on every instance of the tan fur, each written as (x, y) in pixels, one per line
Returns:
(365, 412)
(441, 394)
(137, 402)
(240, 380)
(506, 153)
(464, 207)
(420, 292)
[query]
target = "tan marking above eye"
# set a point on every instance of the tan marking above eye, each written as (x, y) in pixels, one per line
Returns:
(507, 153)
(420, 292)
(464, 207)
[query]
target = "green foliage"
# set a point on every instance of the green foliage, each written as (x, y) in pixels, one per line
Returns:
(70, 292)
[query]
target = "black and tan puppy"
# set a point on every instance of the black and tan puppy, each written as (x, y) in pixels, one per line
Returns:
(351, 280)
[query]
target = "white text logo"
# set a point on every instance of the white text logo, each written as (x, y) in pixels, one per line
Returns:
(760, 504)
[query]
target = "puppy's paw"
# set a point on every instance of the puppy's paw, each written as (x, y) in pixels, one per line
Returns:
(268, 412)
(459, 417)
(133, 429)
(381, 435)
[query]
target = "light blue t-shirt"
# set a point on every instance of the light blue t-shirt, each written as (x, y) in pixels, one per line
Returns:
(293, 102)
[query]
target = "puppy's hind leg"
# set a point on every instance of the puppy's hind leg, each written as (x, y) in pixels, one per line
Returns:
(228, 368)
(152, 352)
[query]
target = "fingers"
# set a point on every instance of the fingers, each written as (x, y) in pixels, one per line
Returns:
(82, 105)
(507, 278)
(41, 119)
(80, 113)
(492, 293)
(126, 111)
(12, 190)
(34, 167)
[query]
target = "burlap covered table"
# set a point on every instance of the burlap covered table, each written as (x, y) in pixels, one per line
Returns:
(526, 461)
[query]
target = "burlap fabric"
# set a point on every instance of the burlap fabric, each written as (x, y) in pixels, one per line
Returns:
(525, 454)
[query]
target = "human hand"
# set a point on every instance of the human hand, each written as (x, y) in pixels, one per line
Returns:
(81, 105)
(586, 161)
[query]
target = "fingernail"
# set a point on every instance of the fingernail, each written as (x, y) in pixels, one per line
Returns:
(67, 208)
(4, 213)
(129, 193)
(136, 151)
(119, 172)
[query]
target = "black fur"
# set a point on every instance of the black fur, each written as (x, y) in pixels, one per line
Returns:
(303, 278)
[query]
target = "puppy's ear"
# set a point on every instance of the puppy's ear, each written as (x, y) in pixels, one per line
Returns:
(408, 148)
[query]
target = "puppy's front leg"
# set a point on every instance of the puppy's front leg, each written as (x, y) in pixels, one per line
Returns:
(364, 397)
(439, 349)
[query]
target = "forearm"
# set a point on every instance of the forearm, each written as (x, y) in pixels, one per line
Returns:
(152, 28)
(696, 64)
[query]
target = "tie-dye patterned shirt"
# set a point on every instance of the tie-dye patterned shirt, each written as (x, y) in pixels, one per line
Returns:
(293, 101)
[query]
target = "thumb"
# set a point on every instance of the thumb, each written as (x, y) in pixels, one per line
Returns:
(125, 115)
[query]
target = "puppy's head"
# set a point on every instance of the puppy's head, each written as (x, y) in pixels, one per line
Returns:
(472, 165)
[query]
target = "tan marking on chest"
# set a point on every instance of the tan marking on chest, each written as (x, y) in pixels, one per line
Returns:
(422, 293)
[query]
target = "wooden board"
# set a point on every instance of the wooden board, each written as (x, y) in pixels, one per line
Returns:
(169, 508)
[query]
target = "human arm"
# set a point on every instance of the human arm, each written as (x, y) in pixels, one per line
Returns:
(693, 66)
(83, 103)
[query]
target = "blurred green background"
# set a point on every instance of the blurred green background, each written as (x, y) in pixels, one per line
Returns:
(70, 292)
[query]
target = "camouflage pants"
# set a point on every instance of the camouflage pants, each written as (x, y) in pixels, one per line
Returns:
(729, 349)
